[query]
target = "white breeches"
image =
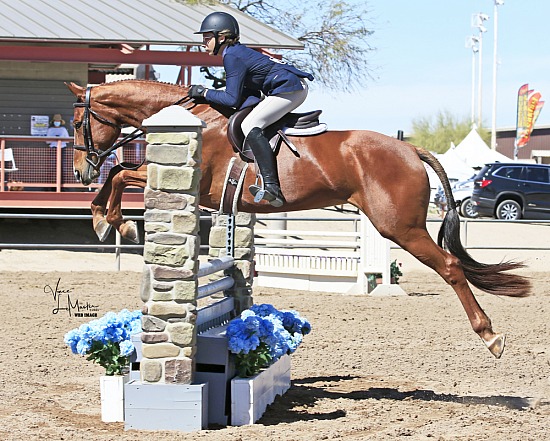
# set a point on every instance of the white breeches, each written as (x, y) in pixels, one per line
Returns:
(272, 108)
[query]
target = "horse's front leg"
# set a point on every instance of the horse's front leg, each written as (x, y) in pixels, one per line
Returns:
(99, 205)
(136, 178)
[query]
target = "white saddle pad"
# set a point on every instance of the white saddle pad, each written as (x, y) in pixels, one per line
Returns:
(305, 132)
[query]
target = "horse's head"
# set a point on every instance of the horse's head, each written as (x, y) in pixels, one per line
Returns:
(101, 112)
(94, 134)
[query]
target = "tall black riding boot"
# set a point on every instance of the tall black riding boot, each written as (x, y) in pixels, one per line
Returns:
(265, 158)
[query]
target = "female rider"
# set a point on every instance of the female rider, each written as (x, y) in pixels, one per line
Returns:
(251, 78)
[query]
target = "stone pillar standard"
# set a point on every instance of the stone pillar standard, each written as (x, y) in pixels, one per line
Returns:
(171, 250)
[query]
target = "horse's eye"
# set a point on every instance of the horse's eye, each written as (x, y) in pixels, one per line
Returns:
(77, 125)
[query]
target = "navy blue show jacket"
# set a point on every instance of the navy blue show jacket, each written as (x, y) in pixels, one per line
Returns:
(249, 72)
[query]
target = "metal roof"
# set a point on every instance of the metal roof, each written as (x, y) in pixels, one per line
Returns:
(135, 22)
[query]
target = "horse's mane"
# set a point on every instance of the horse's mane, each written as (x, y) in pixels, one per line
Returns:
(225, 111)
(135, 80)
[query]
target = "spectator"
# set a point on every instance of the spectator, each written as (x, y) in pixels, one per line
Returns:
(57, 128)
(440, 201)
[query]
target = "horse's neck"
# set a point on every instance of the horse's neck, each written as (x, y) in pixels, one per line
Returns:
(131, 102)
(151, 103)
(163, 95)
(140, 100)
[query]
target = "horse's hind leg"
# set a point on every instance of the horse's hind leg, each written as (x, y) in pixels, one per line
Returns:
(418, 242)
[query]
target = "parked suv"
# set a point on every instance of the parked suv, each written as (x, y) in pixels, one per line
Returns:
(512, 191)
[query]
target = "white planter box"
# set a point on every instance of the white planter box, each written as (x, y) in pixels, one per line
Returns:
(180, 407)
(251, 396)
(112, 398)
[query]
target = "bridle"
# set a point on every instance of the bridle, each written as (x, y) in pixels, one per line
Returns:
(94, 155)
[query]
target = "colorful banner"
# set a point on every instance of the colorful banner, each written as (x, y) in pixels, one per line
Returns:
(529, 107)
(539, 107)
(521, 124)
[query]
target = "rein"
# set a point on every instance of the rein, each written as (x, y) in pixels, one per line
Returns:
(93, 155)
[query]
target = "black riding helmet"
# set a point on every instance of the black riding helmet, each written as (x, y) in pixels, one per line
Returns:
(217, 22)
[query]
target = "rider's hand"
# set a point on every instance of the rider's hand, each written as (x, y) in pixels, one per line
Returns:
(197, 91)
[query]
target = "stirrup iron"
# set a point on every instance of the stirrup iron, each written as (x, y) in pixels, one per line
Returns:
(261, 194)
(258, 189)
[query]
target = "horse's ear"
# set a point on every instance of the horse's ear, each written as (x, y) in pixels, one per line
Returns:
(75, 88)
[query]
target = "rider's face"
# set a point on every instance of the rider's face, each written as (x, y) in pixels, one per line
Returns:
(209, 42)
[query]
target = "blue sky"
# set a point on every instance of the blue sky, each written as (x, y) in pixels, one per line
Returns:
(422, 65)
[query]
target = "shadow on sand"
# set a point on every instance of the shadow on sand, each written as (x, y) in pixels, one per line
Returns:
(303, 393)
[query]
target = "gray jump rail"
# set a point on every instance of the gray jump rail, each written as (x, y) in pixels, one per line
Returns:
(220, 312)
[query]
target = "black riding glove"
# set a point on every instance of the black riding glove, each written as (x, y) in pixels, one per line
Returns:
(196, 91)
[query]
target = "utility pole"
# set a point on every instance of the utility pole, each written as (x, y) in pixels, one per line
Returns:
(497, 3)
(477, 22)
(471, 42)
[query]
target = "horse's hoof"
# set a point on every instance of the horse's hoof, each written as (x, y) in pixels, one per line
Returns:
(496, 345)
(129, 231)
(102, 229)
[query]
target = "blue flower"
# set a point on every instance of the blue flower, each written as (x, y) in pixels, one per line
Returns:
(71, 339)
(125, 316)
(247, 313)
(107, 339)
(264, 310)
(83, 346)
(126, 348)
(243, 335)
(294, 323)
(295, 341)
(263, 329)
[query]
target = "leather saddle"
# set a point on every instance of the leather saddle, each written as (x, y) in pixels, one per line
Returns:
(275, 132)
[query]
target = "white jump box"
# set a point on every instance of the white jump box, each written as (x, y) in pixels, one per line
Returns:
(182, 407)
(192, 407)
(251, 396)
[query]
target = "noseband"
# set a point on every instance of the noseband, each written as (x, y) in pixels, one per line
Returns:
(94, 155)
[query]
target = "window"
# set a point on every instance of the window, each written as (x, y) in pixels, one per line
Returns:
(536, 174)
(509, 172)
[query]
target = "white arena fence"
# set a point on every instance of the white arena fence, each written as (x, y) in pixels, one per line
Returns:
(298, 251)
(331, 254)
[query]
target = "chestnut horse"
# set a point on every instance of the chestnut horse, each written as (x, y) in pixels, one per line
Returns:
(384, 177)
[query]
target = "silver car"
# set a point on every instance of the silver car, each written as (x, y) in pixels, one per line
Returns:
(462, 193)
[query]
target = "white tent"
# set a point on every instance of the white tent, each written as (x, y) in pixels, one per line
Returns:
(474, 152)
(461, 161)
(454, 165)
(456, 169)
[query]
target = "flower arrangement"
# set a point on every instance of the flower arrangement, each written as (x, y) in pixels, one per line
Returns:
(106, 341)
(263, 334)
(395, 271)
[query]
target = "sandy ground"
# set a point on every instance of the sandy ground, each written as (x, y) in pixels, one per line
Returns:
(372, 369)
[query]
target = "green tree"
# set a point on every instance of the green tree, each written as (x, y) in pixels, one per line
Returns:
(335, 35)
(436, 133)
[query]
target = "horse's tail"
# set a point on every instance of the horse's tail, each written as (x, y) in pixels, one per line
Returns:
(489, 278)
